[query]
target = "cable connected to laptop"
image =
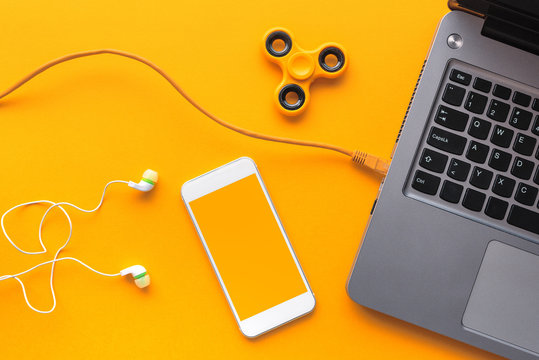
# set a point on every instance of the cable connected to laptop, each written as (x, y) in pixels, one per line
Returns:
(370, 161)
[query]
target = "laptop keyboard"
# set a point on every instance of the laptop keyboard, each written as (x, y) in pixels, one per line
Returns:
(479, 156)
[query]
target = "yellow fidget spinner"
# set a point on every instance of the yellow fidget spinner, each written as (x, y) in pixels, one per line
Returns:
(300, 68)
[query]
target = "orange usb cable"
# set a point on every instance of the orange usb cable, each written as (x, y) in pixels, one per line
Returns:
(362, 158)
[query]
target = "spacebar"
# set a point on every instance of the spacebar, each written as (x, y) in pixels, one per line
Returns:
(524, 219)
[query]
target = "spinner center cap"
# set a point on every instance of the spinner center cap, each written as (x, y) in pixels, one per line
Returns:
(301, 66)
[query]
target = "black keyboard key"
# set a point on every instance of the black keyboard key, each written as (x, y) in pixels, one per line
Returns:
(453, 94)
(426, 183)
(482, 85)
(451, 192)
(479, 128)
(451, 118)
(521, 99)
(458, 169)
(535, 105)
(433, 160)
(481, 178)
(499, 160)
(460, 77)
(503, 186)
(536, 177)
(524, 144)
(498, 110)
(522, 168)
(446, 141)
(477, 152)
(501, 92)
(524, 219)
(526, 194)
(473, 200)
(502, 136)
(496, 208)
(535, 128)
(476, 102)
(520, 119)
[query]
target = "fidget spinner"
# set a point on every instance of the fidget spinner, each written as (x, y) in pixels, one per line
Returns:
(300, 68)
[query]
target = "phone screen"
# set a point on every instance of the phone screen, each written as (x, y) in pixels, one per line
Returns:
(247, 246)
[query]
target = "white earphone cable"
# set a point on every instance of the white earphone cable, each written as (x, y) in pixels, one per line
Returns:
(44, 249)
(4, 277)
(15, 276)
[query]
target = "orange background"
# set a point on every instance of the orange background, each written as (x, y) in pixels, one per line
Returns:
(97, 119)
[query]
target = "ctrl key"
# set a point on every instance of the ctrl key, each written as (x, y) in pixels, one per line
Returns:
(426, 183)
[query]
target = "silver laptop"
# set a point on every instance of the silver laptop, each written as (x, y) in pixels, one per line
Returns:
(452, 244)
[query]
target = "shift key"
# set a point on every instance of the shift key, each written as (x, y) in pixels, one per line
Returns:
(446, 141)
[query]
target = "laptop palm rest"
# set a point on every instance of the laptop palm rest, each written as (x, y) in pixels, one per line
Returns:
(504, 300)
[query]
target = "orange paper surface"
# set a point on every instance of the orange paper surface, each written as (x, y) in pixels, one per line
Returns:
(77, 126)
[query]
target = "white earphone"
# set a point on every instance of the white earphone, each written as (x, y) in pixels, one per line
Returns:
(141, 277)
(138, 272)
(149, 179)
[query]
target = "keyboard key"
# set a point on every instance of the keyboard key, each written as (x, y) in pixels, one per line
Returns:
(501, 92)
(477, 152)
(451, 118)
(496, 208)
(536, 177)
(526, 194)
(522, 168)
(433, 160)
(479, 128)
(453, 94)
(535, 128)
(473, 200)
(460, 77)
(458, 169)
(521, 99)
(451, 192)
(498, 110)
(524, 219)
(520, 119)
(535, 105)
(482, 85)
(524, 144)
(475, 102)
(481, 178)
(446, 141)
(499, 160)
(503, 186)
(426, 183)
(502, 136)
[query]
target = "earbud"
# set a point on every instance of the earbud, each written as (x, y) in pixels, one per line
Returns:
(141, 277)
(149, 179)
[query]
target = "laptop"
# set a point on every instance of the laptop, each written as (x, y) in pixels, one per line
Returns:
(452, 244)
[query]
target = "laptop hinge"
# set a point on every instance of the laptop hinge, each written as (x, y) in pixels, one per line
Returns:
(518, 28)
(512, 28)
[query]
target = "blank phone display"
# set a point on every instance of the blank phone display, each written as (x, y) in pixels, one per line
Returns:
(248, 247)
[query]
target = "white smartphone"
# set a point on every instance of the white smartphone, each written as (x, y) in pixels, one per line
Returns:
(247, 246)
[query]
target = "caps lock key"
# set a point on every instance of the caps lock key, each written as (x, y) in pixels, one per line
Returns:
(446, 141)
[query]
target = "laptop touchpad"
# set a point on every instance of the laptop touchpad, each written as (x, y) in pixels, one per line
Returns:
(505, 298)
